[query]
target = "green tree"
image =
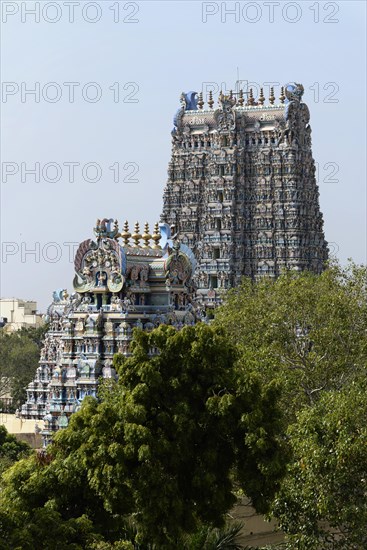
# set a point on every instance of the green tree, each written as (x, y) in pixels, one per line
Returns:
(216, 539)
(307, 331)
(36, 334)
(163, 449)
(19, 356)
(11, 449)
(323, 500)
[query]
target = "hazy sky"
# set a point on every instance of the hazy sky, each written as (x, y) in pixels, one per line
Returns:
(107, 77)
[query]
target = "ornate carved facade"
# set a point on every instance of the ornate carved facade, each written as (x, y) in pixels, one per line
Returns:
(241, 190)
(118, 287)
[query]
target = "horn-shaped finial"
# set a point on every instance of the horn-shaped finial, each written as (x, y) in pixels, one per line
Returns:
(282, 96)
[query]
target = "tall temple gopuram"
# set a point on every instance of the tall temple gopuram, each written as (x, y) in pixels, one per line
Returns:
(241, 190)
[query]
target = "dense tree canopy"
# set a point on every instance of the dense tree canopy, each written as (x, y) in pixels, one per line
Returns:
(11, 449)
(19, 356)
(323, 500)
(162, 450)
(155, 461)
(307, 331)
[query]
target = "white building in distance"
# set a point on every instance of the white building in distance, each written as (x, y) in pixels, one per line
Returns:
(16, 314)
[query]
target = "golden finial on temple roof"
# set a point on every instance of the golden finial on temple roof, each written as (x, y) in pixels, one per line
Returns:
(251, 98)
(136, 235)
(126, 233)
(261, 97)
(156, 236)
(272, 96)
(210, 100)
(240, 98)
(200, 102)
(146, 236)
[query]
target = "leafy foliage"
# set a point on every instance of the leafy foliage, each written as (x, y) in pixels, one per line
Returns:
(11, 449)
(215, 539)
(195, 413)
(162, 448)
(307, 331)
(19, 356)
(36, 334)
(323, 500)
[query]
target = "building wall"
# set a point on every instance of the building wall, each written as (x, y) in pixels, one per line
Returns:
(22, 429)
(19, 313)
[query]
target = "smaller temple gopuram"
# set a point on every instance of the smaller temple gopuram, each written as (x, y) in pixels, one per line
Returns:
(142, 283)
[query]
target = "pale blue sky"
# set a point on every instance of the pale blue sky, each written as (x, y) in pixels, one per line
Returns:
(170, 49)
